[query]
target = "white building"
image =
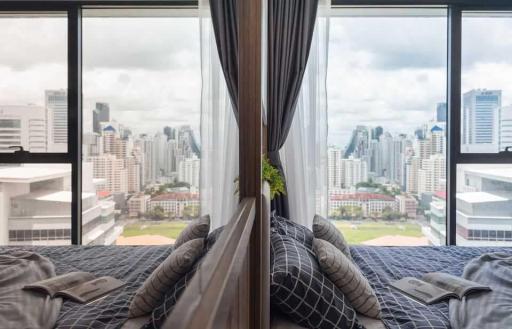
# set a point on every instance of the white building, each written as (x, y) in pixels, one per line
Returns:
(174, 203)
(406, 204)
(24, 126)
(57, 120)
(138, 204)
(334, 170)
(432, 175)
(484, 214)
(372, 204)
(480, 120)
(36, 208)
(353, 171)
(506, 127)
(188, 171)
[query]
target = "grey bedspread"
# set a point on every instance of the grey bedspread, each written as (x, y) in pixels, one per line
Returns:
(490, 310)
(20, 308)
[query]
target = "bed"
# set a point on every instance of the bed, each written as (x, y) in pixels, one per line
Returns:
(131, 264)
(382, 265)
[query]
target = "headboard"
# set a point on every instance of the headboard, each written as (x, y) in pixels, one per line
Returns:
(221, 295)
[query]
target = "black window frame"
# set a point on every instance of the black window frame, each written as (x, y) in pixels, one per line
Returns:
(74, 43)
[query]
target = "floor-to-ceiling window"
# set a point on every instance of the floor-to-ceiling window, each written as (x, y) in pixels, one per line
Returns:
(141, 99)
(387, 125)
(484, 190)
(35, 198)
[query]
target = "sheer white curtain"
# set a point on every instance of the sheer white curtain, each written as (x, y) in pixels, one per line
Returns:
(304, 155)
(219, 131)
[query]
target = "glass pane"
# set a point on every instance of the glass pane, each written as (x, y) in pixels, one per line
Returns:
(484, 205)
(33, 87)
(486, 115)
(36, 204)
(387, 125)
(142, 85)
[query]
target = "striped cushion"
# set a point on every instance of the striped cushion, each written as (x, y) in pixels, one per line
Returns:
(197, 229)
(173, 268)
(325, 230)
(347, 277)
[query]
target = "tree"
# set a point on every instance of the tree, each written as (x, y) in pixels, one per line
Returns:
(157, 213)
(389, 214)
(190, 211)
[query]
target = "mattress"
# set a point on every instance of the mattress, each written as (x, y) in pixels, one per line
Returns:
(130, 264)
(383, 265)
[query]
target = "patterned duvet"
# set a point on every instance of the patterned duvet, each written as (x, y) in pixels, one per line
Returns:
(129, 264)
(382, 265)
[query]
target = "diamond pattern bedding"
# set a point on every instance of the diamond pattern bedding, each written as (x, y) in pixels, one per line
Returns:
(129, 264)
(382, 265)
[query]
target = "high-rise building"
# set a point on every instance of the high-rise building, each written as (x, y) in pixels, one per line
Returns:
(57, 120)
(432, 175)
(23, 126)
(480, 120)
(441, 112)
(353, 171)
(334, 170)
(100, 114)
(506, 127)
(188, 171)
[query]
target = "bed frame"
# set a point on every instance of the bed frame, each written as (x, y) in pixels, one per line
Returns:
(220, 293)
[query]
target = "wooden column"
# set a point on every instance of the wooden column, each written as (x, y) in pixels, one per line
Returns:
(249, 104)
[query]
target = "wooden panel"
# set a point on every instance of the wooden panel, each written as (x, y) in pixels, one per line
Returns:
(250, 124)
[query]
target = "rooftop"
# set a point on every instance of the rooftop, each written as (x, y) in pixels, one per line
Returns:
(480, 197)
(362, 197)
(33, 173)
(176, 196)
(499, 173)
(51, 196)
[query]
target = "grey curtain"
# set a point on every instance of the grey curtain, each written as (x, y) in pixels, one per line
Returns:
(225, 25)
(291, 26)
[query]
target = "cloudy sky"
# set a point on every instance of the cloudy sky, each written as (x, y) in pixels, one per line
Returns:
(388, 71)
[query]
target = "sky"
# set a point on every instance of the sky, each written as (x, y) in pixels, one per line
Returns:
(387, 71)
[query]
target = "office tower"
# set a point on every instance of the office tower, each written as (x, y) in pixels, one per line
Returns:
(506, 127)
(100, 114)
(57, 120)
(358, 144)
(441, 112)
(334, 169)
(480, 120)
(412, 168)
(377, 132)
(188, 171)
(170, 157)
(133, 168)
(23, 126)
(170, 132)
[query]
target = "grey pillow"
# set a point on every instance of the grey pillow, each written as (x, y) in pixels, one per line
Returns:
(197, 229)
(164, 277)
(325, 230)
(346, 276)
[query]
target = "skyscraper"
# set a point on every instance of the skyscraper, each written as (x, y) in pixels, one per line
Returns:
(23, 125)
(506, 127)
(480, 120)
(441, 112)
(100, 114)
(57, 120)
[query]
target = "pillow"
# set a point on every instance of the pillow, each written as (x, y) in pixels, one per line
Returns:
(197, 229)
(296, 231)
(299, 289)
(325, 230)
(173, 268)
(161, 312)
(347, 277)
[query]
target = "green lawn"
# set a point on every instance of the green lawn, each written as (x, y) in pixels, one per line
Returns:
(167, 229)
(365, 231)
(371, 230)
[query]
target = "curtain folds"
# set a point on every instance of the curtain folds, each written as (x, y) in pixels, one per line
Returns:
(219, 130)
(225, 25)
(304, 154)
(290, 32)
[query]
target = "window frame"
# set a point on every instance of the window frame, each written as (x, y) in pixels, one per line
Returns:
(74, 67)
